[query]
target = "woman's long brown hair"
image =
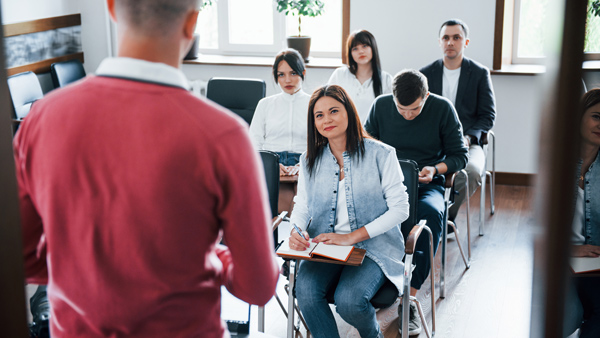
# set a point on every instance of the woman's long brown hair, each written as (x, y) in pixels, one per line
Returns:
(355, 134)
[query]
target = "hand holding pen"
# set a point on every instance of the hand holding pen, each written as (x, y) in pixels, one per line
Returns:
(299, 240)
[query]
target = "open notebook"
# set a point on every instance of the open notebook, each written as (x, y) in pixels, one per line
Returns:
(337, 252)
(585, 264)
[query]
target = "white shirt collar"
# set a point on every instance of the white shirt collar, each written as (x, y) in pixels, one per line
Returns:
(292, 97)
(142, 70)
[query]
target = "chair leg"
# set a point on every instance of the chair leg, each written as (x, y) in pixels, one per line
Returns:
(492, 191)
(482, 204)
(423, 321)
(285, 312)
(468, 215)
(493, 174)
(261, 319)
(467, 262)
(444, 242)
(406, 295)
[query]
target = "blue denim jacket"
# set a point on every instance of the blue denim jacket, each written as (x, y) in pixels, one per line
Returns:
(591, 202)
(365, 202)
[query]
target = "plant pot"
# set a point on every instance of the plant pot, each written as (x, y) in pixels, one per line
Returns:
(301, 44)
(193, 52)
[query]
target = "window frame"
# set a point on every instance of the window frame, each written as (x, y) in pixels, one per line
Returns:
(279, 25)
(505, 37)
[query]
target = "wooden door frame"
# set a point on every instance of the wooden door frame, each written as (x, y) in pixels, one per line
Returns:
(555, 190)
(13, 315)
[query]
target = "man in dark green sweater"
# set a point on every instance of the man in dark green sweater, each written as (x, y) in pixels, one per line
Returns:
(423, 127)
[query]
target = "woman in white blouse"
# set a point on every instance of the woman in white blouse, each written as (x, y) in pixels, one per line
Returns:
(363, 78)
(279, 122)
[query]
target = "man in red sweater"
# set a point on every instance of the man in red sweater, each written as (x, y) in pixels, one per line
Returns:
(127, 185)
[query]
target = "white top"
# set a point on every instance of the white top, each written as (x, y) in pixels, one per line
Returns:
(137, 69)
(578, 237)
(361, 94)
(342, 222)
(450, 84)
(394, 197)
(279, 123)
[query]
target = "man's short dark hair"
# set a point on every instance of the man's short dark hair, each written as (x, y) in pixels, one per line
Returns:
(155, 17)
(454, 22)
(409, 85)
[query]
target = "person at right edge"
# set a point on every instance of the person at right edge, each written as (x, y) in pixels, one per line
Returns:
(583, 300)
(468, 85)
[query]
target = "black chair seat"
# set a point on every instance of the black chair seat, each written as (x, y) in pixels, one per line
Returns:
(384, 298)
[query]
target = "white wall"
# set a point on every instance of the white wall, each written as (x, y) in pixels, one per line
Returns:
(406, 33)
(14, 11)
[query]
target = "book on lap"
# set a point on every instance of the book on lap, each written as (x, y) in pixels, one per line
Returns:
(337, 252)
(585, 264)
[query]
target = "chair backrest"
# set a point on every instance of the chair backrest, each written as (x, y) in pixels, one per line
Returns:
(410, 170)
(66, 72)
(24, 90)
(238, 95)
(271, 164)
(388, 293)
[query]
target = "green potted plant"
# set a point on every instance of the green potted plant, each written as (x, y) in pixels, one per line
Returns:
(300, 8)
(193, 52)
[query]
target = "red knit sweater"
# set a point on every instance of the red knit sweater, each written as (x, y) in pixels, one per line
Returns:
(125, 189)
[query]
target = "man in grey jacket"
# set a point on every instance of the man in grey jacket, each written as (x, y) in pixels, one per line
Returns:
(467, 84)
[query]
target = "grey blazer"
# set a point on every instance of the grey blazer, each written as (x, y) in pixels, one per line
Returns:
(475, 101)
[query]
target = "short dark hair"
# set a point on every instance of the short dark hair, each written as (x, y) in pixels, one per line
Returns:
(364, 37)
(293, 59)
(409, 85)
(454, 22)
(155, 17)
(355, 134)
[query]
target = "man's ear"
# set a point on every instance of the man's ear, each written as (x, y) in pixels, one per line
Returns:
(110, 5)
(467, 42)
(190, 24)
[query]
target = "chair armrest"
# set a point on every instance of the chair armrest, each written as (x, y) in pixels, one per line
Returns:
(450, 180)
(277, 220)
(413, 236)
(484, 138)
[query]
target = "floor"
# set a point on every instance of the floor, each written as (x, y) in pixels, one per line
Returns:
(491, 299)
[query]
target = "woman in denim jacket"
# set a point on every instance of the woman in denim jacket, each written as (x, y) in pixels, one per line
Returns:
(351, 186)
(586, 223)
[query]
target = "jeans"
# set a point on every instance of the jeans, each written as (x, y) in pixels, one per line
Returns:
(589, 294)
(474, 171)
(288, 158)
(356, 285)
(430, 208)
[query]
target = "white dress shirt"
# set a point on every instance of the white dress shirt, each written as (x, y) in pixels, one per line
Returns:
(279, 123)
(361, 94)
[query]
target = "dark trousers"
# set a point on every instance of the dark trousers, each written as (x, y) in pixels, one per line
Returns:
(588, 289)
(430, 208)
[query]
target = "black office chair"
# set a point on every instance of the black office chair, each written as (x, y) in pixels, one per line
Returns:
(24, 90)
(271, 166)
(388, 293)
(238, 95)
(66, 72)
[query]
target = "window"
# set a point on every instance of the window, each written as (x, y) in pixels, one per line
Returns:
(242, 27)
(520, 34)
